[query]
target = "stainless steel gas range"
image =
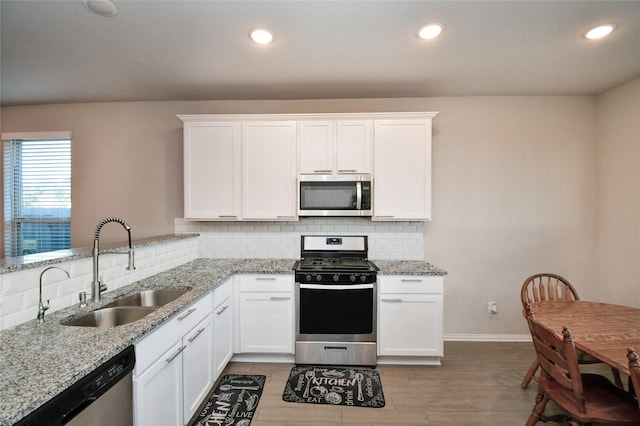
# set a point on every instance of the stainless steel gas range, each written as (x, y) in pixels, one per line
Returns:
(335, 294)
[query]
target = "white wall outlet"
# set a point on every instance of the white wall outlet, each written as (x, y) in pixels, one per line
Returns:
(493, 308)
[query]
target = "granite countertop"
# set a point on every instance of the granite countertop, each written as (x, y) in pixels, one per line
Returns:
(38, 361)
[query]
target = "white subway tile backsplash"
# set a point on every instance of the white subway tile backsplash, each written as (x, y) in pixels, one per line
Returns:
(19, 290)
(387, 240)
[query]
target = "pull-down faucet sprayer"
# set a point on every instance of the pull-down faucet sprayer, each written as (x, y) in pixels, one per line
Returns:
(96, 286)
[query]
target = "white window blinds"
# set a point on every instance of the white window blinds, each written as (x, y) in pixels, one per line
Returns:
(37, 193)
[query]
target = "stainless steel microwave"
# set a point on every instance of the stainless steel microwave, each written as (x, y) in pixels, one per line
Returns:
(335, 195)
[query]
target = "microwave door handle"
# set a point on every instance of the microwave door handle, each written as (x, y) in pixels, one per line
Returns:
(358, 195)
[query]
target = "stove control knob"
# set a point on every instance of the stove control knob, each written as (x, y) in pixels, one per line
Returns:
(318, 277)
(336, 277)
(352, 278)
(363, 278)
(308, 277)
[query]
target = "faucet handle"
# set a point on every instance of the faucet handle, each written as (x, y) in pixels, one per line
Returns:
(102, 286)
(46, 307)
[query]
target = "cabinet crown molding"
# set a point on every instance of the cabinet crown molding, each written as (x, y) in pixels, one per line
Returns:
(189, 118)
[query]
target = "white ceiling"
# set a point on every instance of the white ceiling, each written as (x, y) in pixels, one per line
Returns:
(58, 51)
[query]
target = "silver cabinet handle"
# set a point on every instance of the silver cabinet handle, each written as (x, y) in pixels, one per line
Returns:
(280, 298)
(228, 216)
(391, 300)
(347, 170)
(172, 357)
(407, 280)
(321, 171)
(265, 278)
(195, 336)
(189, 312)
(224, 308)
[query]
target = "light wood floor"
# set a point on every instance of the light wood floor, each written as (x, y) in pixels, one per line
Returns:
(478, 384)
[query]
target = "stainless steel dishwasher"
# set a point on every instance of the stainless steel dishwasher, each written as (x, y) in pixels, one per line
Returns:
(101, 398)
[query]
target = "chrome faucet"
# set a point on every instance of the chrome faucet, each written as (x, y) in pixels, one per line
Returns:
(42, 308)
(98, 287)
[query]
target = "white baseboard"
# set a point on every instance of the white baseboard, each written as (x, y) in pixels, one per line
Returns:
(487, 338)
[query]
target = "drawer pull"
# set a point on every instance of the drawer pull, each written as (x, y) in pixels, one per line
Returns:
(414, 280)
(172, 357)
(322, 171)
(392, 300)
(280, 298)
(189, 312)
(224, 308)
(199, 332)
(347, 171)
(265, 278)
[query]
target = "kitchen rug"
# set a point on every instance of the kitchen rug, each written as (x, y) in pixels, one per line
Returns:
(233, 403)
(334, 385)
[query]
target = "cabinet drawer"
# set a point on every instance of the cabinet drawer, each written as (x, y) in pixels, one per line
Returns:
(419, 284)
(159, 341)
(271, 283)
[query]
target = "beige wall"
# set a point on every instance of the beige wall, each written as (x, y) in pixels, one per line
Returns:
(513, 184)
(618, 194)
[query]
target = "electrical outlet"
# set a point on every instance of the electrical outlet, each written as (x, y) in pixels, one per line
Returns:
(493, 308)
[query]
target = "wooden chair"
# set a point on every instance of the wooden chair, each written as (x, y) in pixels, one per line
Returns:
(546, 286)
(586, 398)
(634, 373)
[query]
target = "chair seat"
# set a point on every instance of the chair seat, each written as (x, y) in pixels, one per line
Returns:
(604, 401)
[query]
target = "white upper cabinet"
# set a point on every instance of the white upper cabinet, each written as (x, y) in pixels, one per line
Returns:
(269, 170)
(402, 164)
(212, 170)
(343, 146)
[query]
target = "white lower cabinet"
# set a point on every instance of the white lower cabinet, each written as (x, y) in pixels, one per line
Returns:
(410, 319)
(265, 320)
(197, 369)
(173, 369)
(222, 327)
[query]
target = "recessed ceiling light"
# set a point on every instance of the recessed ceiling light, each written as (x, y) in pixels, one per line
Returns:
(600, 31)
(261, 35)
(101, 7)
(430, 31)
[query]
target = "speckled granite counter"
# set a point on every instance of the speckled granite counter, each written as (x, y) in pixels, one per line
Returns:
(38, 361)
(407, 267)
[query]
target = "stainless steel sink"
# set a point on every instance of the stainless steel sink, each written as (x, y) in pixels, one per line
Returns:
(110, 317)
(155, 298)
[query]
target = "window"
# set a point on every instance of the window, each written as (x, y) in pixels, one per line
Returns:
(37, 192)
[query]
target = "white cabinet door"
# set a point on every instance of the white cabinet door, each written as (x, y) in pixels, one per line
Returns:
(223, 335)
(265, 314)
(196, 366)
(269, 170)
(402, 165)
(316, 141)
(410, 325)
(343, 146)
(212, 170)
(157, 392)
(354, 142)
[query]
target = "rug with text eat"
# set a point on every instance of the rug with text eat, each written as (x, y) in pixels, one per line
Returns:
(233, 403)
(334, 385)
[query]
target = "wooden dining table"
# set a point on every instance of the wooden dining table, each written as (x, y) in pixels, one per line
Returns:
(603, 330)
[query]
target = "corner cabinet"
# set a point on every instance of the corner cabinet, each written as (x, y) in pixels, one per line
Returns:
(410, 319)
(402, 169)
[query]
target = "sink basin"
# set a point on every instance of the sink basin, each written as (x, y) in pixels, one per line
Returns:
(110, 317)
(151, 298)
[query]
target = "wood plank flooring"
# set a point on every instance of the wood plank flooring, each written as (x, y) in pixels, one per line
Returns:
(478, 384)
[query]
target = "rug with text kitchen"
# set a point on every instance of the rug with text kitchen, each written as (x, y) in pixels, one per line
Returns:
(334, 385)
(233, 403)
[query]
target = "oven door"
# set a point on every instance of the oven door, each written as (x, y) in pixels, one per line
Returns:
(336, 313)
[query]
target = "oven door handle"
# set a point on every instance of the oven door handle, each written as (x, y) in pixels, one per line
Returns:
(330, 287)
